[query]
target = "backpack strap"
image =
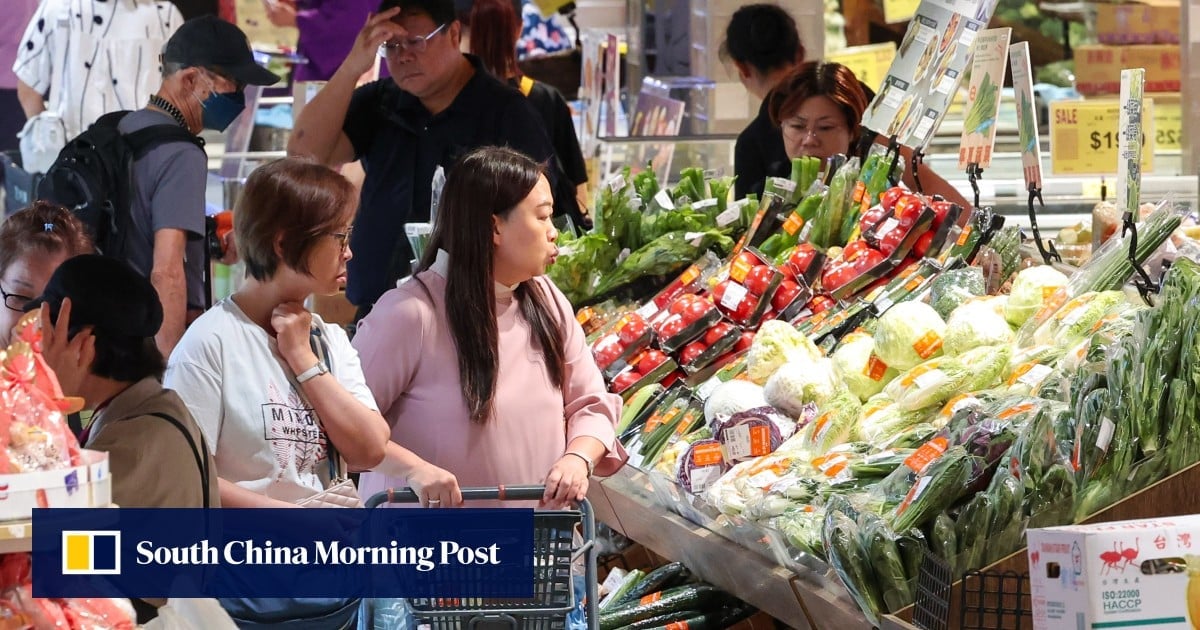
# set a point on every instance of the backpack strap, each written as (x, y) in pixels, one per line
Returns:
(142, 140)
(201, 460)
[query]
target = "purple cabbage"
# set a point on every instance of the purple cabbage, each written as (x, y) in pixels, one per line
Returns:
(734, 433)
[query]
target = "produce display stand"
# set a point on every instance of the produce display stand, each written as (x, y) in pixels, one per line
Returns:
(1173, 496)
(626, 503)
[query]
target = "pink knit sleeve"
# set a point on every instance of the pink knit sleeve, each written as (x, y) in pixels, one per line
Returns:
(389, 342)
(590, 409)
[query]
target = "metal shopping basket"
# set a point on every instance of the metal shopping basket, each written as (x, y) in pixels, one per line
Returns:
(554, 552)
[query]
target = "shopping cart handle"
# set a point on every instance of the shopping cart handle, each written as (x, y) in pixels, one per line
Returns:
(501, 493)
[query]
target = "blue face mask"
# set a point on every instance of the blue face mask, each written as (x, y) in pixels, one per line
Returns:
(221, 109)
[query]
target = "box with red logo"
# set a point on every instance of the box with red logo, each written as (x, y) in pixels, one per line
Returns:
(1125, 574)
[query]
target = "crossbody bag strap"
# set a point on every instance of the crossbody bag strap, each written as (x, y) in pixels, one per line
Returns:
(320, 347)
(198, 452)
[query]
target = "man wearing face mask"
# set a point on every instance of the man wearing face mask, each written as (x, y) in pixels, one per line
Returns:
(206, 64)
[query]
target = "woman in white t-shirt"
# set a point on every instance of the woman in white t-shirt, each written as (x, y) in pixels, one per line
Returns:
(247, 368)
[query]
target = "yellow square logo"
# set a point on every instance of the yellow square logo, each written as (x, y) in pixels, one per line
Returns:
(91, 552)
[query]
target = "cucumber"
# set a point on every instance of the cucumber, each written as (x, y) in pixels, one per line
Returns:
(687, 597)
(660, 620)
(631, 580)
(692, 621)
(655, 581)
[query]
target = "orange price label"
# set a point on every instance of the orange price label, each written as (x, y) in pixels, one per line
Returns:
(760, 441)
(707, 455)
(689, 275)
(964, 237)
(678, 625)
(1019, 372)
(741, 267)
(860, 191)
(876, 368)
(793, 224)
(1019, 409)
(914, 282)
(585, 315)
(927, 454)
(650, 599)
(916, 373)
(928, 345)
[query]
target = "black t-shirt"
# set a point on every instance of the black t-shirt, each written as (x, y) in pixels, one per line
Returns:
(759, 152)
(555, 114)
(401, 145)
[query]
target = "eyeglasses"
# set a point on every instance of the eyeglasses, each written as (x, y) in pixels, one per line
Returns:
(795, 130)
(15, 302)
(343, 237)
(415, 44)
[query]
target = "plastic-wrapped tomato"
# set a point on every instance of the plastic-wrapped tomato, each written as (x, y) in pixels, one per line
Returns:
(870, 218)
(820, 304)
(940, 210)
(836, 276)
(866, 260)
(802, 258)
(649, 360)
(890, 196)
(891, 241)
(758, 279)
(681, 303)
(691, 352)
(633, 329)
(624, 381)
(922, 245)
(743, 342)
(672, 326)
(606, 351)
(717, 332)
(784, 295)
(745, 309)
(696, 309)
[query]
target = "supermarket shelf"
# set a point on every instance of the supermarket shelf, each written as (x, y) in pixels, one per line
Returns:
(626, 504)
(16, 536)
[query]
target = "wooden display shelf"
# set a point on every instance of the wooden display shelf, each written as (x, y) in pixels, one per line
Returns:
(1174, 496)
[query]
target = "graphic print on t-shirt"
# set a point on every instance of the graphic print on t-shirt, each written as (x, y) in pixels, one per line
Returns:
(290, 425)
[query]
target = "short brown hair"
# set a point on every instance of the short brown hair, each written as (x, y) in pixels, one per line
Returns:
(294, 201)
(44, 228)
(831, 80)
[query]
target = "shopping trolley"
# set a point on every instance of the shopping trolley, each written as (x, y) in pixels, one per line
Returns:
(554, 553)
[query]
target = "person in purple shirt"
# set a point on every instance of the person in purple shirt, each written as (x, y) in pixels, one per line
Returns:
(327, 31)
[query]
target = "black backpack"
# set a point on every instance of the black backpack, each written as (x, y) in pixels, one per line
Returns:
(93, 176)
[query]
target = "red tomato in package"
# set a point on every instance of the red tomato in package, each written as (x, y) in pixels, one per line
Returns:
(922, 245)
(909, 206)
(624, 381)
(691, 352)
(891, 241)
(743, 342)
(607, 350)
(837, 275)
(759, 279)
(747, 260)
(634, 329)
(650, 360)
(717, 332)
(681, 303)
(866, 260)
(820, 304)
(785, 295)
(941, 209)
(672, 326)
(802, 258)
(870, 218)
(695, 310)
(745, 309)
(890, 196)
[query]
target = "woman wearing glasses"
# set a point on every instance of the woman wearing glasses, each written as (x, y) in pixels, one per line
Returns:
(248, 369)
(819, 109)
(33, 243)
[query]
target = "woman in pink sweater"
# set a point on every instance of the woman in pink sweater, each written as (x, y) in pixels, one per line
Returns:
(477, 362)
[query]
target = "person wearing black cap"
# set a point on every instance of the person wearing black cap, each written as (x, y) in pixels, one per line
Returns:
(99, 317)
(205, 66)
(437, 105)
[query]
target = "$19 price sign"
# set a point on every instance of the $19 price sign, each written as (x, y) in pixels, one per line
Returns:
(1084, 136)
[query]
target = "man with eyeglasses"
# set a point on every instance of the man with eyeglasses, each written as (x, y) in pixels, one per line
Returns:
(437, 104)
(205, 66)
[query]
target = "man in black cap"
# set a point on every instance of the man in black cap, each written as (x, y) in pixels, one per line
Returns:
(206, 64)
(99, 317)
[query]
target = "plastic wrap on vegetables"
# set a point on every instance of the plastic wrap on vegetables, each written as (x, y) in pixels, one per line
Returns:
(977, 323)
(879, 542)
(908, 334)
(972, 528)
(937, 487)
(843, 547)
(667, 254)
(580, 265)
(732, 397)
(856, 365)
(1050, 504)
(801, 527)
(835, 424)
(954, 288)
(753, 433)
(799, 383)
(775, 344)
(1008, 516)
(700, 466)
(1073, 321)
(883, 424)
(1031, 290)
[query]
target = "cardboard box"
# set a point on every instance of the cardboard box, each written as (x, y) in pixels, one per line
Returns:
(1098, 67)
(1113, 575)
(1124, 24)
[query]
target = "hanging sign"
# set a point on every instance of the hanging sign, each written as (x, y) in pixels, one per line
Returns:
(1027, 127)
(983, 98)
